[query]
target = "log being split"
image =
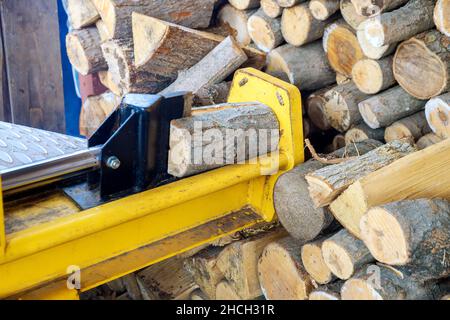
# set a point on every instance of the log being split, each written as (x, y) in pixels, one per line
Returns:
(344, 254)
(412, 127)
(292, 202)
(373, 76)
(418, 175)
(244, 4)
(204, 270)
(281, 273)
(265, 31)
(95, 110)
(85, 52)
(429, 53)
(162, 49)
(350, 15)
(327, 183)
(306, 67)
(117, 13)
(271, 8)
(370, 8)
(323, 9)
(343, 49)
(300, 27)
(411, 233)
(379, 282)
(427, 141)
(215, 67)
(213, 94)
(312, 259)
(341, 108)
(441, 14)
(238, 262)
(235, 21)
(389, 106)
(401, 24)
(437, 111)
(330, 291)
(82, 13)
(363, 132)
(315, 108)
(203, 142)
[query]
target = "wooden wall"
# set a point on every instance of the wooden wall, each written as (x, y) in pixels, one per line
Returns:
(32, 82)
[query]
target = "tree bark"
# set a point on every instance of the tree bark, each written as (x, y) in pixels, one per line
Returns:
(362, 132)
(211, 95)
(327, 183)
(341, 108)
(288, 3)
(265, 31)
(344, 254)
(103, 31)
(370, 8)
(300, 27)
(372, 52)
(330, 291)
(428, 140)
(401, 24)
(343, 49)
(238, 262)
(379, 282)
(389, 106)
(271, 8)
(412, 127)
(306, 67)
(418, 175)
(235, 21)
(82, 13)
(189, 13)
(411, 233)
(95, 110)
(292, 202)
(323, 9)
(437, 111)
(312, 259)
(429, 52)
(251, 123)
(85, 52)
(441, 14)
(281, 273)
(215, 67)
(373, 76)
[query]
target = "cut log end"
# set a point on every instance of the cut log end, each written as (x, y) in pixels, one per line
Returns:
(77, 54)
(314, 264)
(441, 14)
(148, 33)
(437, 111)
(368, 76)
(296, 24)
(359, 289)
(338, 260)
(271, 8)
(235, 22)
(264, 31)
(393, 246)
(323, 295)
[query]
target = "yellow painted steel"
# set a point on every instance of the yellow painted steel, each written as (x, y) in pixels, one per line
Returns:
(126, 230)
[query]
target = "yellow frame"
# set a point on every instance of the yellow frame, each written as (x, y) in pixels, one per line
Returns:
(114, 239)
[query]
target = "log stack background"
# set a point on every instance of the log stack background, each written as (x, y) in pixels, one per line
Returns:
(374, 81)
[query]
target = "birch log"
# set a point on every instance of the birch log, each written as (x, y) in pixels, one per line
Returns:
(418, 175)
(306, 67)
(389, 106)
(411, 233)
(437, 111)
(373, 76)
(327, 183)
(429, 53)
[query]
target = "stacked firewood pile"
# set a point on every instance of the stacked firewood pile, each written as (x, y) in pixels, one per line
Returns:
(370, 220)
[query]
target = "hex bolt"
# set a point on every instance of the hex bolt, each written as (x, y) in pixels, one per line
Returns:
(113, 163)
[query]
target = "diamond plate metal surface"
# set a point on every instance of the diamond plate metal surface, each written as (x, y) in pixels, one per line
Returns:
(21, 145)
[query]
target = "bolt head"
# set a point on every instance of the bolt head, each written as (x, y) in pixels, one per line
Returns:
(113, 163)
